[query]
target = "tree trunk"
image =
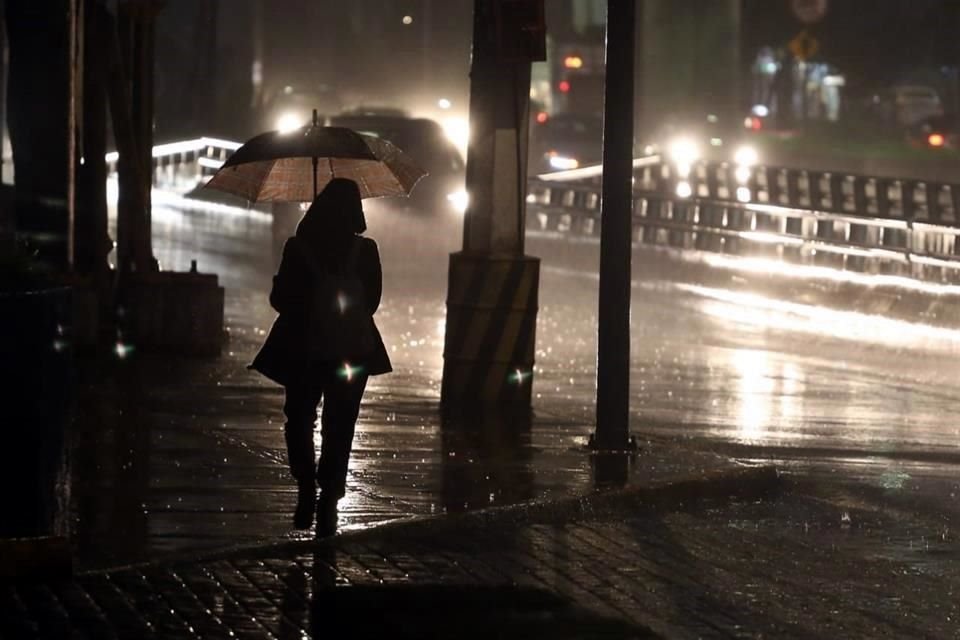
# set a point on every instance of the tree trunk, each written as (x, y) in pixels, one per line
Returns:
(37, 110)
(93, 242)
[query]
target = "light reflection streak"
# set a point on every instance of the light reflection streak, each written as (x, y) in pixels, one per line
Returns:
(164, 197)
(810, 272)
(757, 310)
(755, 389)
(791, 389)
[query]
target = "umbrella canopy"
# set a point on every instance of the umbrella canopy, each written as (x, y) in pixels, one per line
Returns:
(294, 166)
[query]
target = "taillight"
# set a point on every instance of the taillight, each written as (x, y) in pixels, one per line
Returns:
(935, 140)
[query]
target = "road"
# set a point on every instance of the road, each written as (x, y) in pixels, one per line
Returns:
(843, 398)
(707, 364)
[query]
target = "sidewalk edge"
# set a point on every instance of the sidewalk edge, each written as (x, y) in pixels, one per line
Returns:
(747, 482)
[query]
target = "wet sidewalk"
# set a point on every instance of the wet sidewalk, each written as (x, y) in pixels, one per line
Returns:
(475, 527)
(772, 561)
(499, 528)
(179, 456)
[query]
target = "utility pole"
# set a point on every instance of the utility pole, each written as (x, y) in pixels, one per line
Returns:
(493, 286)
(616, 233)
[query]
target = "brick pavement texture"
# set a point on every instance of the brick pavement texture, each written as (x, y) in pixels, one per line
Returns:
(791, 566)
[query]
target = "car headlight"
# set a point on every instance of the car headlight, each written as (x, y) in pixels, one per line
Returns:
(746, 156)
(289, 122)
(459, 200)
(563, 163)
(457, 131)
(683, 151)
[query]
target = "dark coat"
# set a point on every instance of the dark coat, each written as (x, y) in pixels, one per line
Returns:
(283, 356)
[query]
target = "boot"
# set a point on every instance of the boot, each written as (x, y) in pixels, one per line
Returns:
(306, 502)
(326, 515)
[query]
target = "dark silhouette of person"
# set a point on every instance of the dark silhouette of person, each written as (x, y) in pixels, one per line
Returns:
(327, 244)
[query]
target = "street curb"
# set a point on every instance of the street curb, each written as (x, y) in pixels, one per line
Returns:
(744, 483)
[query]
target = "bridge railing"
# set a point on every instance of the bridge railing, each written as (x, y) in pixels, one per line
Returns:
(858, 223)
(181, 166)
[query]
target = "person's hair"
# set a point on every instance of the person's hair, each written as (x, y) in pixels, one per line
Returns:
(335, 212)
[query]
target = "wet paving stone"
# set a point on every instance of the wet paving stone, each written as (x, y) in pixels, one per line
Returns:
(792, 566)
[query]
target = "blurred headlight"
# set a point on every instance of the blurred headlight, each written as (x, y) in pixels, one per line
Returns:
(459, 201)
(563, 163)
(746, 156)
(684, 151)
(289, 121)
(457, 131)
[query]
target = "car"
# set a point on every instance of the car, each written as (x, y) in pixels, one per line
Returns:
(937, 132)
(565, 141)
(426, 142)
(684, 139)
(906, 105)
(291, 105)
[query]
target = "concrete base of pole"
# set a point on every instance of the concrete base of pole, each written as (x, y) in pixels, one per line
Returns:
(34, 558)
(491, 325)
(174, 312)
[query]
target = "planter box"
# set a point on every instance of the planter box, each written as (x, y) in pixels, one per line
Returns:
(174, 312)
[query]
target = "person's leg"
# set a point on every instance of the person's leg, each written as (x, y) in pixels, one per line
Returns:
(341, 406)
(300, 408)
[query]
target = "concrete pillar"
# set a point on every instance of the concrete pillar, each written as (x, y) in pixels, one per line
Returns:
(613, 332)
(493, 286)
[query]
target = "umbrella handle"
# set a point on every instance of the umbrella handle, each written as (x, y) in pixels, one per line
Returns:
(316, 121)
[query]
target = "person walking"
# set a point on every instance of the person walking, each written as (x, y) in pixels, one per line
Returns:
(324, 344)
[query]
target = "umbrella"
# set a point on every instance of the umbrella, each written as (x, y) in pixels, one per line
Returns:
(294, 166)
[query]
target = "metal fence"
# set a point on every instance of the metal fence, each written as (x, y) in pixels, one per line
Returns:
(858, 223)
(181, 166)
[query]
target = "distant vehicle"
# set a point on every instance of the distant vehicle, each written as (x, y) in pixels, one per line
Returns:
(938, 132)
(565, 141)
(907, 105)
(291, 106)
(684, 139)
(426, 142)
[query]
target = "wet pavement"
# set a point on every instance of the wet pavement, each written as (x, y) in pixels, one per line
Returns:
(789, 565)
(179, 456)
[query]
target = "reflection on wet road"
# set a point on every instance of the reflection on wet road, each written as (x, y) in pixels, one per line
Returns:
(706, 362)
(720, 371)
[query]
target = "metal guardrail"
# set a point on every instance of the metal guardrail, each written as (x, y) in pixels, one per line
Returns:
(859, 223)
(181, 166)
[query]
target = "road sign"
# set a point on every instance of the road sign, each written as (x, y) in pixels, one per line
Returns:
(808, 11)
(804, 46)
